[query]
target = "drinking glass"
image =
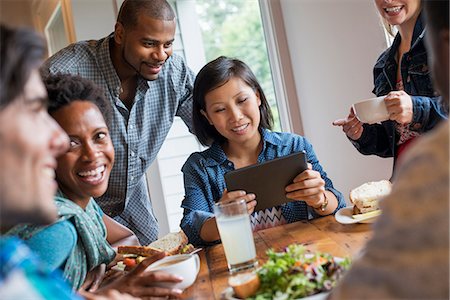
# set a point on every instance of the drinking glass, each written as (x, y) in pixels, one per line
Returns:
(236, 234)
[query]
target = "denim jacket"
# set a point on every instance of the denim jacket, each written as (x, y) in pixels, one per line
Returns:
(381, 139)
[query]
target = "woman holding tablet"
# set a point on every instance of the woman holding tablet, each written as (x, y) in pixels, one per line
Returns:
(232, 116)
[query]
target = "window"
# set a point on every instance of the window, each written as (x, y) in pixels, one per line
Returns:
(207, 29)
(59, 30)
(234, 28)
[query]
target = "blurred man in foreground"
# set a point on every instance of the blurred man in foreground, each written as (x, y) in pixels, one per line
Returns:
(30, 141)
(408, 256)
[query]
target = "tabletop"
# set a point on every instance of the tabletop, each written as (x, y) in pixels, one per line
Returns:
(322, 234)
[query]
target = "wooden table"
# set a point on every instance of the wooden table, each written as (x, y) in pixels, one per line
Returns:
(322, 234)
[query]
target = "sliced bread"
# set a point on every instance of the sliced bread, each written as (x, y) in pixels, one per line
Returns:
(365, 197)
(172, 243)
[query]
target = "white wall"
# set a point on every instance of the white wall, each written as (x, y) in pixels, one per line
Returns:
(333, 45)
(93, 19)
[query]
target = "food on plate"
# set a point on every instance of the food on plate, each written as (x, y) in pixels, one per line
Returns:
(133, 255)
(173, 243)
(170, 244)
(365, 198)
(245, 284)
(366, 216)
(296, 273)
(139, 250)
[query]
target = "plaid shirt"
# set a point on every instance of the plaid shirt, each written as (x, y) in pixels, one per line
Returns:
(22, 276)
(137, 134)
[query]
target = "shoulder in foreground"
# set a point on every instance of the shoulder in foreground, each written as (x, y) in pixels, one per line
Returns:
(66, 230)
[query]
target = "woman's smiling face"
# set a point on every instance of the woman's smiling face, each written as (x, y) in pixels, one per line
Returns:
(397, 12)
(233, 109)
(83, 171)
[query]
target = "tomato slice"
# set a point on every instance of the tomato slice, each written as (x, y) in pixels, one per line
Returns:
(129, 262)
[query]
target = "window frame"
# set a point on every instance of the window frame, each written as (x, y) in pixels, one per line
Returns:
(281, 66)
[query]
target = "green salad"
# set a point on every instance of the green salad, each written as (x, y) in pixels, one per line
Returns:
(296, 273)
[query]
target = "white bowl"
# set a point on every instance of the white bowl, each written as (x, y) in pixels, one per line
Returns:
(371, 110)
(186, 266)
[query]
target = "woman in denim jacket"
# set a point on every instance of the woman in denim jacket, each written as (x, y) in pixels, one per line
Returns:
(412, 104)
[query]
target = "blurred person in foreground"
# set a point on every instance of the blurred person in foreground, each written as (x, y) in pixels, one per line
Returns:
(408, 256)
(82, 172)
(30, 142)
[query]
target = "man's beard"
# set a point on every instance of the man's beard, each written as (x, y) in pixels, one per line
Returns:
(129, 64)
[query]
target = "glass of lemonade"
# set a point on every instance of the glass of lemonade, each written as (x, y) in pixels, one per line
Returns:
(236, 234)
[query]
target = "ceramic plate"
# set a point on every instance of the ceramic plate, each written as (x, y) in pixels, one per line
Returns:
(344, 216)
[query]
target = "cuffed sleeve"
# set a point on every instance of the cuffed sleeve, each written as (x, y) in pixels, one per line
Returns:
(427, 112)
(376, 139)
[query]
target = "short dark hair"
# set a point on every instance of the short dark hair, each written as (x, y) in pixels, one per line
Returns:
(213, 75)
(21, 51)
(437, 13)
(64, 89)
(156, 9)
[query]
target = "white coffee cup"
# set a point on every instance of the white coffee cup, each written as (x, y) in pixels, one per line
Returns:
(186, 266)
(371, 110)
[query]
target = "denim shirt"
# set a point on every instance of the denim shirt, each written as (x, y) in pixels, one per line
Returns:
(381, 139)
(204, 181)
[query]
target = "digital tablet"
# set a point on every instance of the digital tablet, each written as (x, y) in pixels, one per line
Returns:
(268, 180)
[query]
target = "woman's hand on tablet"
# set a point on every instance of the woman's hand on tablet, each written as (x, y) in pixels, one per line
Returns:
(307, 186)
(238, 195)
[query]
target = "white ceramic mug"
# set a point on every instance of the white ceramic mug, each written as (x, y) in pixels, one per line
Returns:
(371, 110)
(186, 266)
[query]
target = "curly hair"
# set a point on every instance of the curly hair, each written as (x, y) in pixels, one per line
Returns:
(64, 89)
(213, 75)
(21, 51)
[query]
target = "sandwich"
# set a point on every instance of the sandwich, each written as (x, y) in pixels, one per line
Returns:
(170, 244)
(366, 197)
(134, 255)
(173, 243)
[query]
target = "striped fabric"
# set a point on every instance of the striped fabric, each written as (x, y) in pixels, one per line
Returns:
(267, 218)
